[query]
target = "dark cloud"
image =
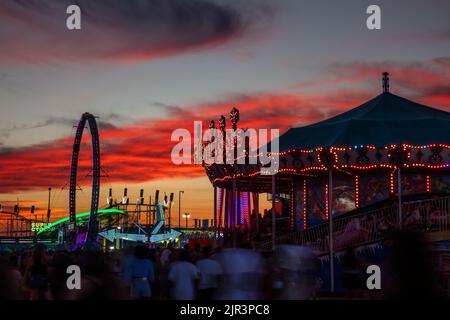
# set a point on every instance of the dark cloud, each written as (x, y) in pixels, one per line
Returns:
(110, 120)
(171, 110)
(105, 125)
(35, 30)
(443, 61)
(41, 124)
(54, 121)
(438, 90)
(105, 120)
(3, 137)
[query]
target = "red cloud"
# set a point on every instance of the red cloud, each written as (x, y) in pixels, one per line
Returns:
(141, 152)
(426, 82)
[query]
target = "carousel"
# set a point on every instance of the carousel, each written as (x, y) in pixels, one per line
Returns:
(377, 162)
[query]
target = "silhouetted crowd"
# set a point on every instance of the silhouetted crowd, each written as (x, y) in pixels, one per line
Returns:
(202, 273)
(207, 273)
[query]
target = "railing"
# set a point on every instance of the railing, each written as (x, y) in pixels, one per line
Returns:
(431, 215)
(372, 226)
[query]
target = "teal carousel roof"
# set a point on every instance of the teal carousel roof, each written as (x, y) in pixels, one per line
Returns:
(384, 133)
(385, 120)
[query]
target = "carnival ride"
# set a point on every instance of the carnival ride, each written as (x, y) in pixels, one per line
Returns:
(155, 234)
(14, 225)
(120, 224)
(105, 217)
(386, 148)
(92, 229)
(123, 221)
(158, 233)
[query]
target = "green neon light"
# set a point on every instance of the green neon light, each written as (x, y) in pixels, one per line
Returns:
(78, 216)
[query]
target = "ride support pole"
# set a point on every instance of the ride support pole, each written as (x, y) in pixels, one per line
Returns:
(400, 213)
(274, 223)
(330, 218)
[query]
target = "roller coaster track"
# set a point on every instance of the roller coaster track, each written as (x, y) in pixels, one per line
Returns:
(92, 225)
(13, 225)
(429, 216)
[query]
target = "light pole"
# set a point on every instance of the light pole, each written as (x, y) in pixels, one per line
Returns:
(179, 208)
(186, 216)
(170, 208)
(48, 205)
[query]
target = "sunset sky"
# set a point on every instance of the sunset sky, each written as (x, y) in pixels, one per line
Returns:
(146, 68)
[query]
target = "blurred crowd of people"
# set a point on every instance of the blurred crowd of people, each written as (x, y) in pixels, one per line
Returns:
(139, 272)
(291, 272)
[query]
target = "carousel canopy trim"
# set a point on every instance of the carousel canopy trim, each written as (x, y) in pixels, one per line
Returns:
(385, 133)
(385, 120)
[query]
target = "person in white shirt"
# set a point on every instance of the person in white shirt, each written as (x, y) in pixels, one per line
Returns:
(243, 271)
(183, 276)
(140, 274)
(210, 273)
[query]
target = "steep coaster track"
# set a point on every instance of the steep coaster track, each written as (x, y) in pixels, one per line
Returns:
(92, 224)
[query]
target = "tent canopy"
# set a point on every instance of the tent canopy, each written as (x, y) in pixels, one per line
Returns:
(386, 119)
